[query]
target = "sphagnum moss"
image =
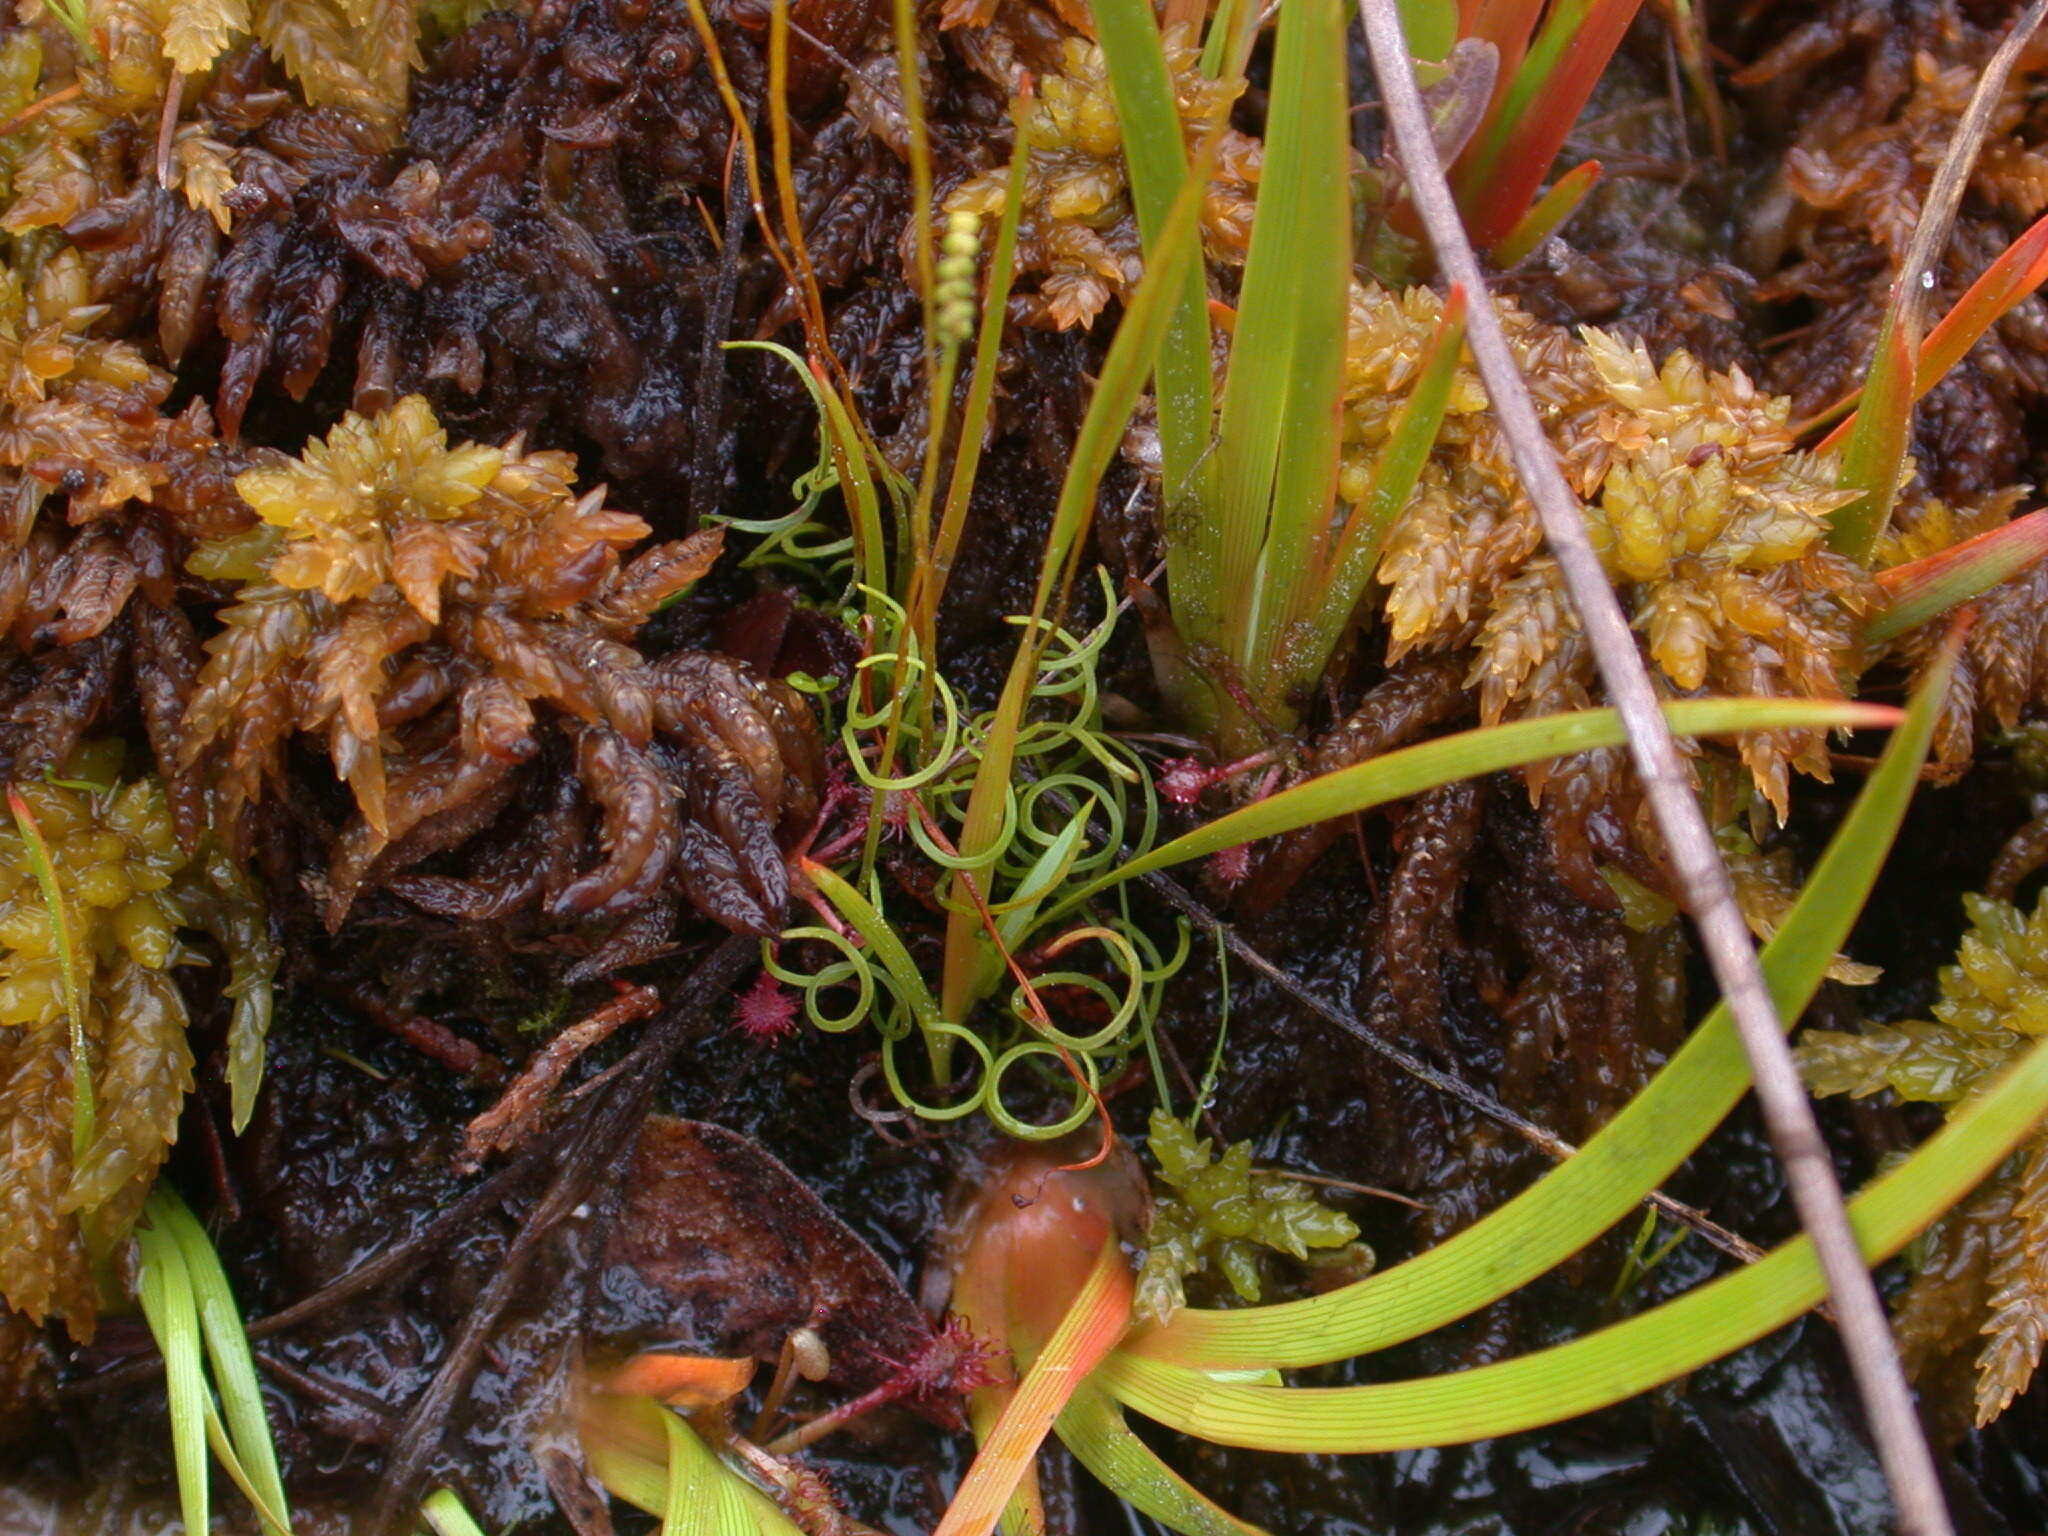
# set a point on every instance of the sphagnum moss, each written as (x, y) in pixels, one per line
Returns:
(1710, 522)
(133, 899)
(433, 613)
(1981, 1283)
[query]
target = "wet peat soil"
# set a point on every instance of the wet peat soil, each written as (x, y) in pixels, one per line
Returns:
(353, 1146)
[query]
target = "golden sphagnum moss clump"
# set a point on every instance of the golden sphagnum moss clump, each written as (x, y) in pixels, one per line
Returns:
(132, 900)
(1077, 233)
(1710, 522)
(1980, 1283)
(435, 614)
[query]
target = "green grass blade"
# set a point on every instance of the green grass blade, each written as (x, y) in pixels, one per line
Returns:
(1277, 440)
(691, 1506)
(1547, 217)
(1413, 770)
(1926, 589)
(1156, 156)
(1400, 463)
(445, 1516)
(227, 1349)
(39, 863)
(1876, 445)
(167, 1303)
(1616, 1363)
(1124, 371)
(224, 1455)
(1093, 1428)
(1623, 1162)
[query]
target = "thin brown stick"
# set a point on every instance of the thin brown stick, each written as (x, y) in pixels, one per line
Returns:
(1548, 1143)
(1952, 178)
(1787, 1111)
(586, 1171)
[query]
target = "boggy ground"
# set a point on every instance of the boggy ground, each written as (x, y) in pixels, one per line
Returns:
(541, 243)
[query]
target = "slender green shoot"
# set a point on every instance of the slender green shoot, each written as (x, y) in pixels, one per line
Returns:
(192, 1315)
(1614, 1364)
(227, 1351)
(1281, 421)
(75, 16)
(45, 871)
(1156, 154)
(1488, 749)
(165, 1290)
(1925, 589)
(445, 1514)
(1874, 454)
(1546, 216)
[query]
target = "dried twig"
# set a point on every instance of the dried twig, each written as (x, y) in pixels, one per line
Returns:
(1952, 178)
(588, 1166)
(517, 1114)
(1787, 1111)
(1546, 1142)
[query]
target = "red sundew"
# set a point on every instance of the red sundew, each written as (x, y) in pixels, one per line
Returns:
(766, 1011)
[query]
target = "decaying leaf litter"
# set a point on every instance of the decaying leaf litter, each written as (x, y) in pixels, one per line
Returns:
(500, 785)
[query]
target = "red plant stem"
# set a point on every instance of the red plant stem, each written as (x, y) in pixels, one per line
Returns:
(1788, 1112)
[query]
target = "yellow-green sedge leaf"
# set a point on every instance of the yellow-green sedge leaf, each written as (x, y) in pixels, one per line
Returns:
(862, 916)
(224, 1454)
(1926, 589)
(1100, 1312)
(1413, 770)
(227, 1348)
(40, 865)
(1629, 1157)
(1357, 555)
(445, 1516)
(1616, 1363)
(692, 1505)
(1876, 448)
(1547, 216)
(626, 1441)
(165, 1290)
(1281, 423)
(1093, 1428)
(1155, 152)
(1117, 387)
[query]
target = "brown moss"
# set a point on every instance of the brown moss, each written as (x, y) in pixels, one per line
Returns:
(435, 614)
